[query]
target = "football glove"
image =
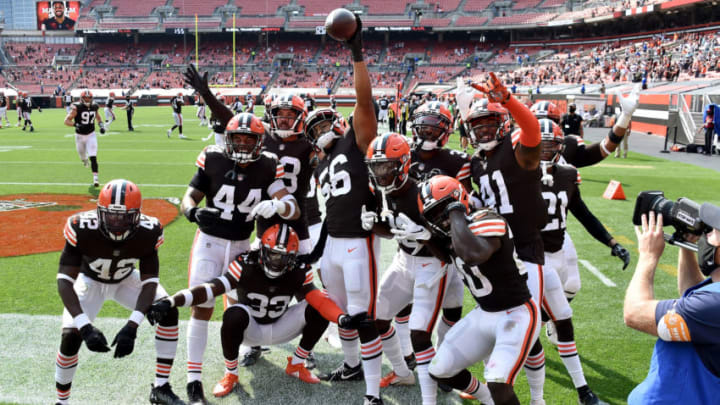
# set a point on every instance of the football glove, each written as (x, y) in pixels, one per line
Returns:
(206, 217)
(196, 81)
(495, 89)
(158, 310)
(102, 129)
(94, 339)
(355, 42)
(367, 218)
(408, 230)
(628, 105)
(125, 341)
(357, 321)
(268, 208)
(619, 251)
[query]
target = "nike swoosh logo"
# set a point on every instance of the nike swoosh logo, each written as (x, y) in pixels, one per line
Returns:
(351, 250)
(425, 264)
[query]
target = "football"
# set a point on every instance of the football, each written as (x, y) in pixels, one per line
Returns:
(340, 24)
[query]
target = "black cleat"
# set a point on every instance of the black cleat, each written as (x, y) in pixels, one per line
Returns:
(344, 373)
(310, 362)
(445, 387)
(251, 357)
(164, 395)
(371, 400)
(587, 397)
(411, 361)
(195, 393)
(32, 129)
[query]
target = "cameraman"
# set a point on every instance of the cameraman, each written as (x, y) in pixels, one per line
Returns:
(685, 366)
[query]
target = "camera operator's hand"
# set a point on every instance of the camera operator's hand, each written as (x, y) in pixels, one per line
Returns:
(651, 242)
(619, 250)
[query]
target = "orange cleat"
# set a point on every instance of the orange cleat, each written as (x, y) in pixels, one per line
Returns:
(300, 372)
(394, 379)
(226, 385)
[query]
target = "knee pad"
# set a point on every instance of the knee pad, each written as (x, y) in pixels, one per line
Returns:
(171, 318)
(70, 342)
(235, 318)
(571, 287)
(382, 326)
(452, 314)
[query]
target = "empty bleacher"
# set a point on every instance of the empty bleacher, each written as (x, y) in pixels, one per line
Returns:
(199, 7)
(386, 7)
(135, 8)
(260, 7)
(321, 7)
(470, 21)
(477, 5)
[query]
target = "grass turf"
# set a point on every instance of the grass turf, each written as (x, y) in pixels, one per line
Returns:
(615, 358)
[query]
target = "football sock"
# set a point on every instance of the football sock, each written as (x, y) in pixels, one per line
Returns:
(372, 363)
(428, 386)
(173, 128)
(196, 342)
(478, 390)
(349, 342)
(231, 366)
(299, 356)
(402, 329)
(315, 326)
(180, 129)
(535, 371)
(65, 367)
(571, 360)
(393, 351)
(166, 341)
(94, 165)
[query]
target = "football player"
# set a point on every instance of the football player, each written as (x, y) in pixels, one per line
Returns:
(18, 108)
(26, 108)
(506, 168)
(502, 327)
(266, 280)
(349, 262)
(112, 254)
(3, 108)
(236, 106)
(200, 113)
(238, 183)
(82, 116)
(67, 98)
(176, 104)
(560, 190)
(109, 113)
(250, 103)
(415, 275)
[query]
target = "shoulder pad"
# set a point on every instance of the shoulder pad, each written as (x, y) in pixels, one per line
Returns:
(487, 223)
(202, 157)
(268, 155)
(69, 231)
(153, 226)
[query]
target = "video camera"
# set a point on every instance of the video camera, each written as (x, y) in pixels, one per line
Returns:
(685, 215)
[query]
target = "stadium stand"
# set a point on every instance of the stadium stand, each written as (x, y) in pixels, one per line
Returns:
(386, 7)
(444, 6)
(135, 8)
(34, 53)
(199, 7)
(265, 7)
(321, 7)
(477, 5)
(470, 21)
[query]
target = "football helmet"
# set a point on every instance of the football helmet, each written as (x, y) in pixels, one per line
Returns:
(86, 97)
(435, 195)
(388, 161)
(118, 208)
(431, 126)
(112, 94)
(279, 247)
(244, 138)
(546, 109)
(287, 116)
(487, 126)
(551, 140)
(324, 125)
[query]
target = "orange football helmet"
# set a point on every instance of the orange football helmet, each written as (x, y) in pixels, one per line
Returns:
(546, 109)
(86, 97)
(324, 125)
(388, 161)
(244, 138)
(551, 140)
(287, 116)
(487, 125)
(279, 248)
(434, 197)
(431, 126)
(118, 208)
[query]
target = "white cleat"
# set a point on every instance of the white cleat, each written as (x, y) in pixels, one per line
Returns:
(181, 136)
(85, 162)
(537, 402)
(169, 131)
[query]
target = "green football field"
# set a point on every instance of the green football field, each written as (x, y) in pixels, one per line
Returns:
(615, 358)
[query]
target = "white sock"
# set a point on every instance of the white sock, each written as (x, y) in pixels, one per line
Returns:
(349, 341)
(196, 342)
(166, 341)
(65, 368)
(231, 366)
(393, 351)
(402, 328)
(299, 356)
(428, 386)
(372, 364)
(571, 360)
(535, 372)
(480, 391)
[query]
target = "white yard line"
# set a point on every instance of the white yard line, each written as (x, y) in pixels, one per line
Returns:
(76, 163)
(12, 183)
(592, 269)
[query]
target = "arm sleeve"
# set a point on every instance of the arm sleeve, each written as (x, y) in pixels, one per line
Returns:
(579, 155)
(70, 255)
(323, 304)
(200, 181)
(587, 219)
(150, 265)
(530, 128)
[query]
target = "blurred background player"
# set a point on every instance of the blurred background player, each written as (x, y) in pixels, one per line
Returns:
(129, 108)
(176, 104)
(18, 107)
(200, 113)
(26, 108)
(68, 100)
(83, 116)
(3, 109)
(109, 110)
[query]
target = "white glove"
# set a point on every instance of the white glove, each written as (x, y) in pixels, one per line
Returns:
(268, 208)
(464, 97)
(367, 218)
(408, 230)
(628, 105)
(547, 178)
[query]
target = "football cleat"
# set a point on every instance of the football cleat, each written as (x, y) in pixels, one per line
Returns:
(251, 357)
(96, 183)
(411, 361)
(32, 129)
(169, 131)
(181, 136)
(164, 395)
(444, 387)
(226, 385)
(371, 400)
(85, 162)
(589, 398)
(300, 372)
(195, 393)
(394, 379)
(537, 402)
(344, 373)
(551, 333)
(310, 362)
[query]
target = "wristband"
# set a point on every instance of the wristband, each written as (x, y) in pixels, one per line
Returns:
(172, 301)
(624, 120)
(81, 320)
(208, 292)
(604, 148)
(188, 298)
(190, 214)
(615, 138)
(137, 317)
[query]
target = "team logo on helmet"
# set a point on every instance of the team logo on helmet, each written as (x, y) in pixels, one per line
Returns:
(118, 208)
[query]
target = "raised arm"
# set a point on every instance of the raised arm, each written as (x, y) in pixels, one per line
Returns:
(200, 84)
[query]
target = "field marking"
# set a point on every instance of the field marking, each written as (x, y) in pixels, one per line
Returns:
(624, 166)
(592, 269)
(50, 162)
(668, 269)
(125, 150)
(12, 183)
(622, 239)
(12, 148)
